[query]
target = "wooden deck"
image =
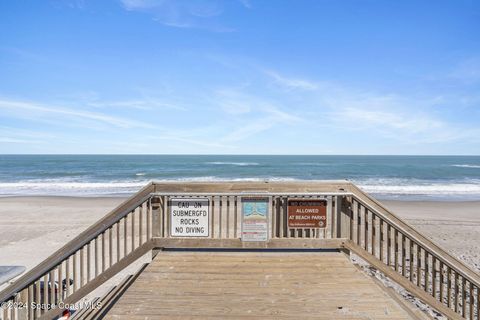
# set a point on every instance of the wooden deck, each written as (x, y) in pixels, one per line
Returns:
(266, 285)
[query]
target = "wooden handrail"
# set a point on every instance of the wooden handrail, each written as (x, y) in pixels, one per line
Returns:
(78, 242)
(410, 232)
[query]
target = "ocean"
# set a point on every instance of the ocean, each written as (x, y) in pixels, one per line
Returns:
(386, 177)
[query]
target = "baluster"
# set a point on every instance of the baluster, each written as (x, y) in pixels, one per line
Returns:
(456, 292)
(125, 231)
(359, 223)
(38, 297)
(96, 256)
(478, 303)
(67, 276)
(410, 251)
(103, 251)
(395, 244)
(350, 222)
(278, 205)
(15, 309)
(365, 223)
(464, 297)
(389, 244)
(149, 217)
(381, 226)
(110, 247)
(404, 255)
(83, 267)
(419, 265)
(220, 217)
(133, 231)
(354, 234)
(30, 300)
(140, 225)
(441, 281)
(470, 299)
(89, 264)
(274, 219)
(5, 311)
(449, 286)
(374, 235)
(118, 240)
(434, 276)
(51, 285)
(60, 282)
(426, 270)
(74, 267)
(212, 227)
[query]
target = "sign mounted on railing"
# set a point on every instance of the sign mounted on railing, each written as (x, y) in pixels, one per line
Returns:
(189, 217)
(255, 219)
(307, 213)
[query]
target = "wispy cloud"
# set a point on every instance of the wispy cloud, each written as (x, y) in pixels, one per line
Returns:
(292, 83)
(36, 110)
(16, 140)
(181, 14)
(136, 104)
(406, 118)
(395, 120)
(257, 114)
(246, 3)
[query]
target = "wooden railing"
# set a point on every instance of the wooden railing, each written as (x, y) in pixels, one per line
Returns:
(409, 258)
(84, 263)
(355, 222)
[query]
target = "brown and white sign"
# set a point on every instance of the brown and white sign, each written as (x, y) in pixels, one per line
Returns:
(307, 213)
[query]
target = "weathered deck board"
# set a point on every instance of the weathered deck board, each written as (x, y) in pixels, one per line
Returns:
(275, 285)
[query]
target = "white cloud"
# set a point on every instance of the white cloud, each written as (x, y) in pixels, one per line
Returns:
(180, 14)
(292, 83)
(412, 123)
(39, 110)
(16, 140)
(246, 3)
(147, 104)
(256, 114)
(409, 119)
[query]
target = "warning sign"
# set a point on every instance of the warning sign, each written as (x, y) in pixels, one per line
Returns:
(307, 213)
(254, 219)
(189, 217)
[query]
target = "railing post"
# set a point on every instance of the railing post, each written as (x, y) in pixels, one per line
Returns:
(338, 217)
(342, 218)
(157, 214)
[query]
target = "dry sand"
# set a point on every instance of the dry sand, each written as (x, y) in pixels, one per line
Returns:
(32, 228)
(454, 226)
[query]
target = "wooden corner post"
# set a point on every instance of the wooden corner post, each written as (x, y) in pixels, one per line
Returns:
(157, 218)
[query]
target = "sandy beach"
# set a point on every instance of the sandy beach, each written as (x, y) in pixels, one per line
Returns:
(32, 228)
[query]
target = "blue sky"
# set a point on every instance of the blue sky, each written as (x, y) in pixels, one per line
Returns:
(240, 77)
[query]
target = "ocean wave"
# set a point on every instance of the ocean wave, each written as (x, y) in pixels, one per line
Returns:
(140, 174)
(474, 166)
(71, 188)
(240, 164)
(432, 189)
(379, 186)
